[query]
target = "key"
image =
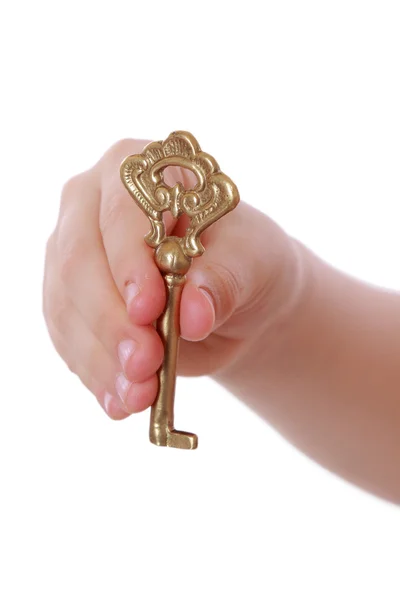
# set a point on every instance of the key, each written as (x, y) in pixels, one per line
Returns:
(212, 197)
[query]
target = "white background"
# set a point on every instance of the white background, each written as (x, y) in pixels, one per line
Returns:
(306, 95)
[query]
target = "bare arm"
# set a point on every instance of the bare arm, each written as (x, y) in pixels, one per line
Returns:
(328, 377)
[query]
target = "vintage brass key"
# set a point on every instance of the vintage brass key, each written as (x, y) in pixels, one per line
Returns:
(211, 198)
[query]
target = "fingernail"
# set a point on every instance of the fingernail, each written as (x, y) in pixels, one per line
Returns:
(107, 401)
(125, 351)
(122, 386)
(131, 291)
(210, 300)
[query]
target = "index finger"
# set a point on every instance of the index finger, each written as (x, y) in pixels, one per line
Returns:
(123, 227)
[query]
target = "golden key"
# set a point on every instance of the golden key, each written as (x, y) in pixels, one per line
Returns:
(212, 197)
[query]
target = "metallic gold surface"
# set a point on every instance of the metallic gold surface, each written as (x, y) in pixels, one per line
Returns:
(213, 196)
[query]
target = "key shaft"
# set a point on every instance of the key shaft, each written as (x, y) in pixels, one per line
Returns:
(173, 264)
(204, 203)
(162, 431)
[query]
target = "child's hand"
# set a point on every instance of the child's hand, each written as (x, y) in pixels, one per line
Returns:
(313, 351)
(103, 291)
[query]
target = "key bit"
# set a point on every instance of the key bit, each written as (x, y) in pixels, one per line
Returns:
(212, 197)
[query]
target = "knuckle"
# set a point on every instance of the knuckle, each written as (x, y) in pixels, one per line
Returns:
(54, 337)
(71, 250)
(58, 317)
(49, 250)
(70, 245)
(72, 188)
(46, 304)
(113, 157)
(112, 210)
(59, 345)
(124, 147)
(101, 324)
(121, 146)
(67, 263)
(68, 242)
(49, 253)
(49, 299)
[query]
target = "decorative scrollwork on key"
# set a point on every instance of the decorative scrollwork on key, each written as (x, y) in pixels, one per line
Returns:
(211, 198)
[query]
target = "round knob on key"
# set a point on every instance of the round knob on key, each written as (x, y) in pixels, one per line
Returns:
(171, 258)
(213, 196)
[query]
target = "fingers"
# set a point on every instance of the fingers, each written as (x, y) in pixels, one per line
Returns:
(111, 291)
(115, 358)
(123, 227)
(89, 361)
(104, 289)
(87, 358)
(85, 275)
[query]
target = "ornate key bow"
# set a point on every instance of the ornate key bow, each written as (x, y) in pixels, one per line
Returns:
(213, 196)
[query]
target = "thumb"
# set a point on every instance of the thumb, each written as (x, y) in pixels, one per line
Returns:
(240, 280)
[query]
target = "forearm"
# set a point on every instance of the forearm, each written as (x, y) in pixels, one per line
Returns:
(328, 377)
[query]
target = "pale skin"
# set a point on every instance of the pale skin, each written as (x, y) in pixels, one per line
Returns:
(313, 351)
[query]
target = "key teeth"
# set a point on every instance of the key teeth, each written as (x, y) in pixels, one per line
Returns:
(174, 439)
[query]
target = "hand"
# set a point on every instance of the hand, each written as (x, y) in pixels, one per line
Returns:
(103, 292)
